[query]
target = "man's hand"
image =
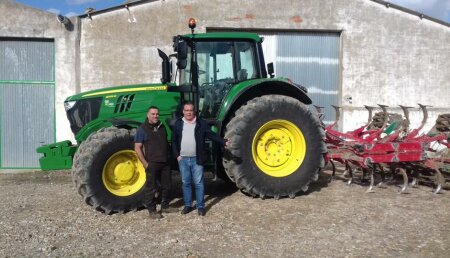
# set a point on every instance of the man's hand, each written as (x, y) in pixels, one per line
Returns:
(227, 143)
(179, 158)
(138, 149)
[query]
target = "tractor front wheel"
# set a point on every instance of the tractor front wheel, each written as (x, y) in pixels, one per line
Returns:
(107, 172)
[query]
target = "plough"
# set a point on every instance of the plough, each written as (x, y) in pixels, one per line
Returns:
(391, 148)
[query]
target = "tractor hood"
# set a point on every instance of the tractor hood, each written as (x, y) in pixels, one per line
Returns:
(92, 110)
(111, 91)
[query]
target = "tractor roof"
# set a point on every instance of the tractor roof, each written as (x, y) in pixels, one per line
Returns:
(226, 35)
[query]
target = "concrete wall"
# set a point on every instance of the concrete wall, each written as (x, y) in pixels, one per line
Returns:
(21, 21)
(391, 57)
(388, 56)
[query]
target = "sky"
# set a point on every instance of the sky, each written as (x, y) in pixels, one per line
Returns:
(71, 7)
(439, 9)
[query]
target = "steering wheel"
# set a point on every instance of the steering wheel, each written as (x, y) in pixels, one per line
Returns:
(207, 87)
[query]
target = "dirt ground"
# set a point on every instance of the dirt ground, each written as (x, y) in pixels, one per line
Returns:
(42, 215)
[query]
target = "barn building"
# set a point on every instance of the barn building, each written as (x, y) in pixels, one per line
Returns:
(349, 53)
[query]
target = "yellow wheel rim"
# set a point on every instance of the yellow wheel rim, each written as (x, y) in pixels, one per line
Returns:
(278, 148)
(123, 173)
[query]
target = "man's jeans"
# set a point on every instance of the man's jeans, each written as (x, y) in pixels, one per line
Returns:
(191, 172)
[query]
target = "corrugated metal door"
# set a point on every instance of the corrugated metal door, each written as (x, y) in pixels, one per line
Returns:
(27, 99)
(310, 59)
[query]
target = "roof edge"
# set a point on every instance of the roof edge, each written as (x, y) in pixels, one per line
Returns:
(412, 12)
(382, 2)
(118, 7)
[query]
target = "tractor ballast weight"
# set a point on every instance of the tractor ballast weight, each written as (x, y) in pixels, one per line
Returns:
(277, 143)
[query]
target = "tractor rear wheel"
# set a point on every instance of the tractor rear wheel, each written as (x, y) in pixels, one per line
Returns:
(277, 147)
(107, 172)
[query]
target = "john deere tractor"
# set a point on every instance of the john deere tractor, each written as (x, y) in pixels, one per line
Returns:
(277, 146)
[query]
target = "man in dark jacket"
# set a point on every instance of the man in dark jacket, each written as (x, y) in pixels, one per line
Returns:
(188, 138)
(151, 147)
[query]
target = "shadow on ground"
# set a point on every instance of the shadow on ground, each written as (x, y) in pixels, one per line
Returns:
(215, 190)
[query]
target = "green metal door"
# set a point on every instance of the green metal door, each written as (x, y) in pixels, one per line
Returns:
(27, 89)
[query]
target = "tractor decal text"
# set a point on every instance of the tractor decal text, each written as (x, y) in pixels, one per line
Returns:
(126, 90)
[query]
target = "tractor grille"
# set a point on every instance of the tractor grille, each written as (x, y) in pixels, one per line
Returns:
(83, 112)
(124, 103)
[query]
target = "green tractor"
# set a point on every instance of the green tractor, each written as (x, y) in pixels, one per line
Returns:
(277, 143)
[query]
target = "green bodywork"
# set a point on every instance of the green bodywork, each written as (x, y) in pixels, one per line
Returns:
(266, 85)
(145, 95)
(59, 155)
(226, 35)
(126, 106)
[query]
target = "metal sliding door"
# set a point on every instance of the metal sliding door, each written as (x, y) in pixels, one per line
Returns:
(27, 89)
(310, 59)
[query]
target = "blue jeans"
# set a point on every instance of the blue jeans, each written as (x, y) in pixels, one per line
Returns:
(191, 172)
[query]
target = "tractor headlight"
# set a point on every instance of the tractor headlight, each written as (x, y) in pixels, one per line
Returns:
(69, 104)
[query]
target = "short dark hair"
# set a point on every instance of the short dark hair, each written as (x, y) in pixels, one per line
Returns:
(188, 103)
(152, 107)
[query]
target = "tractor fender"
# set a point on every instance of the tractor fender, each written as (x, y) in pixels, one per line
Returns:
(124, 123)
(245, 91)
(98, 124)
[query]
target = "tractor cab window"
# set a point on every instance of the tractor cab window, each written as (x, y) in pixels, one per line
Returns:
(245, 61)
(221, 64)
(216, 75)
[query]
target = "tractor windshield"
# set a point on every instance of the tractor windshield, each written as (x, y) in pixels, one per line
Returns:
(221, 64)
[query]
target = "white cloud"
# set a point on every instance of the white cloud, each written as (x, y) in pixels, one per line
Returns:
(80, 2)
(53, 10)
(71, 14)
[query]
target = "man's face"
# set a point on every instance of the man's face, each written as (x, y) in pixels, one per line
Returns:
(153, 116)
(188, 112)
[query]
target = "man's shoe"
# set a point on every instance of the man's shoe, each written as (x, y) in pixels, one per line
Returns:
(186, 210)
(201, 211)
(165, 207)
(155, 215)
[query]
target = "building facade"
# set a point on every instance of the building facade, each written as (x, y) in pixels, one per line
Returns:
(37, 71)
(349, 53)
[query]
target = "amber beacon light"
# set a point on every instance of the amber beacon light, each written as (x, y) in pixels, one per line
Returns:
(192, 24)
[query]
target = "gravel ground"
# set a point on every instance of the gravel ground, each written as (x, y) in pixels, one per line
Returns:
(42, 215)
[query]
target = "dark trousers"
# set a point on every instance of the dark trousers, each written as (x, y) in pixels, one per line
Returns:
(159, 179)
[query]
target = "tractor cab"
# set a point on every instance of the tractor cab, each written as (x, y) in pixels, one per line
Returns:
(209, 65)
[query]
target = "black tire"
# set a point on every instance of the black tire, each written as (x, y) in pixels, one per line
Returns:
(88, 169)
(240, 164)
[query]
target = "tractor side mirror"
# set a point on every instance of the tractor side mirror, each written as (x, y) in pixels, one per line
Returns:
(270, 70)
(181, 47)
(165, 67)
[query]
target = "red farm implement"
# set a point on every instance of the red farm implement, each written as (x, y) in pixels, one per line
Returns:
(386, 148)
